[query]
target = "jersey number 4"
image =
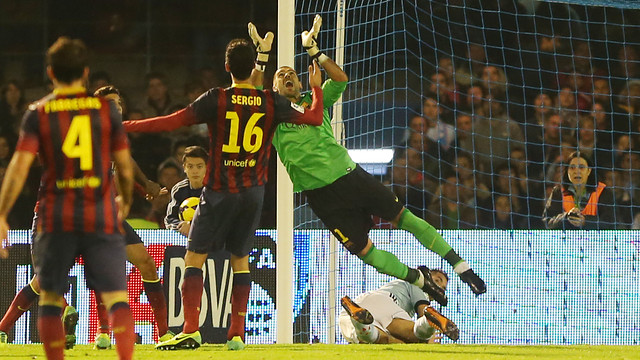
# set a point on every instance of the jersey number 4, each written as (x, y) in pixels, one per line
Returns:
(77, 143)
(252, 138)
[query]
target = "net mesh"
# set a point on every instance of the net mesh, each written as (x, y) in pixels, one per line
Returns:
(483, 103)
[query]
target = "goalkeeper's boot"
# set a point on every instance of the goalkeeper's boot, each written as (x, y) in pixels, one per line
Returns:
(475, 283)
(169, 335)
(442, 323)
(431, 288)
(102, 341)
(236, 343)
(357, 313)
(181, 341)
(4, 339)
(69, 322)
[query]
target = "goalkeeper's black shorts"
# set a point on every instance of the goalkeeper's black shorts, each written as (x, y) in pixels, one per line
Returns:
(346, 207)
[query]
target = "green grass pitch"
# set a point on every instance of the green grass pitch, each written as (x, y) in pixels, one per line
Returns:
(344, 352)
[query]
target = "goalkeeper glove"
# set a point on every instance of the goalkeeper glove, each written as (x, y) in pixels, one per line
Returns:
(263, 45)
(309, 41)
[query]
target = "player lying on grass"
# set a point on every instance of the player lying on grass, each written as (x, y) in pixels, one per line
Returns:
(385, 315)
(341, 193)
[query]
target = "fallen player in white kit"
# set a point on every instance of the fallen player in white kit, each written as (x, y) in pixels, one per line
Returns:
(385, 315)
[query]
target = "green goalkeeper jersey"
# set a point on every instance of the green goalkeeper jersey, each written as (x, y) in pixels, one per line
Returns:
(312, 156)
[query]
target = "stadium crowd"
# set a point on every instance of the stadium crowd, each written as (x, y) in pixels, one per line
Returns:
(484, 149)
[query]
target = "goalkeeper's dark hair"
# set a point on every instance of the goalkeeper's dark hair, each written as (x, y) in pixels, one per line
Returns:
(240, 57)
(68, 58)
(195, 152)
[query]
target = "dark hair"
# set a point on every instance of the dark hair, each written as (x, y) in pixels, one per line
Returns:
(195, 152)
(21, 101)
(240, 57)
(68, 58)
(155, 75)
(99, 75)
(592, 182)
(168, 165)
(106, 90)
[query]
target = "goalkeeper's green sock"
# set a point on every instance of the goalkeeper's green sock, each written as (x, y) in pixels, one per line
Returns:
(386, 263)
(431, 239)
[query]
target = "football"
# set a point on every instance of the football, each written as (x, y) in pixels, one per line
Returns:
(188, 208)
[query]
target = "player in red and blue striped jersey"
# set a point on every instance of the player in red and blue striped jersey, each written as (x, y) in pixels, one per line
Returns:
(241, 121)
(77, 136)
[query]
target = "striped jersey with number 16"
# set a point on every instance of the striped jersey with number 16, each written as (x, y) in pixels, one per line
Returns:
(241, 121)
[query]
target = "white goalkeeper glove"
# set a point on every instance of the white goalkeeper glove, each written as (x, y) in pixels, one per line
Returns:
(263, 45)
(309, 41)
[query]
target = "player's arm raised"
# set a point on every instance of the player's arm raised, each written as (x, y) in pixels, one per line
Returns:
(263, 46)
(309, 43)
(12, 184)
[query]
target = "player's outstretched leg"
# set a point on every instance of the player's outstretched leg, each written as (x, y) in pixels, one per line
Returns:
(362, 321)
(432, 240)
(69, 322)
(20, 304)
(387, 263)
(439, 322)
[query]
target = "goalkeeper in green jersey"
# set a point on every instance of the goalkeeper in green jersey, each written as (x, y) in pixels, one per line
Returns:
(341, 193)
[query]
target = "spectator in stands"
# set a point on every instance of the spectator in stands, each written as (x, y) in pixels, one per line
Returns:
(469, 72)
(507, 182)
(208, 78)
(506, 216)
(464, 133)
(602, 117)
(542, 108)
(626, 65)
(495, 136)
(580, 201)
(177, 153)
(417, 124)
(423, 153)
(474, 100)
(625, 107)
(12, 107)
(568, 145)
(407, 183)
(543, 147)
(443, 89)
(476, 189)
(622, 199)
(566, 106)
(628, 167)
(602, 156)
(450, 210)
(494, 81)
(158, 101)
(439, 122)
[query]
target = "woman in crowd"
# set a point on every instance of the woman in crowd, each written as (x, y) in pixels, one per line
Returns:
(580, 201)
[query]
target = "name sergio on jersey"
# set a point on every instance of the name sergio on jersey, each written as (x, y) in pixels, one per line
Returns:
(246, 100)
(240, 163)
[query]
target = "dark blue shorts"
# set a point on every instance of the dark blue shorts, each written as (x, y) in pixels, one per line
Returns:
(226, 221)
(131, 237)
(104, 260)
